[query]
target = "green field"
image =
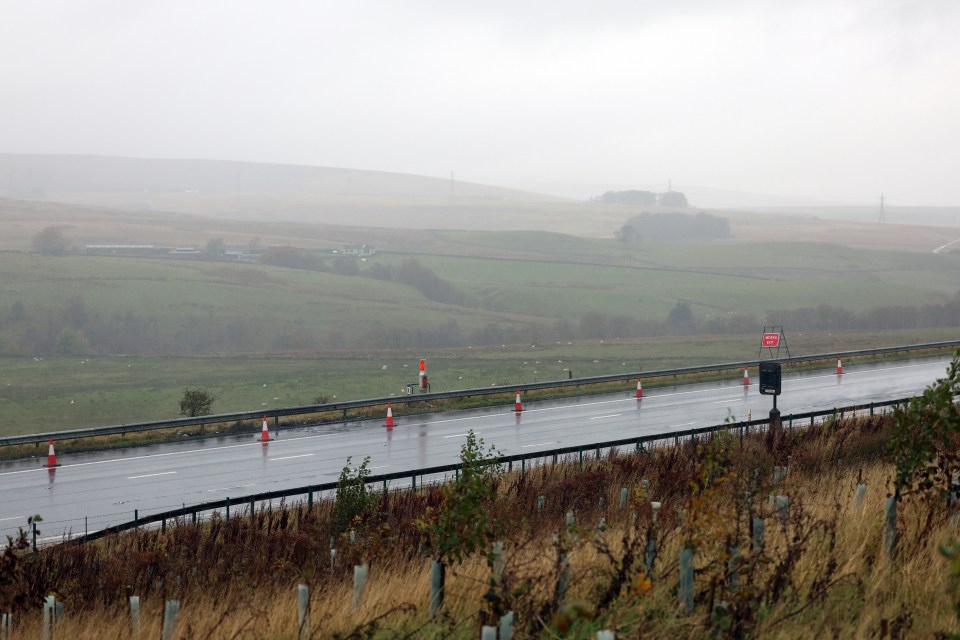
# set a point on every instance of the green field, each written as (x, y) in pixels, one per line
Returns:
(260, 336)
(56, 393)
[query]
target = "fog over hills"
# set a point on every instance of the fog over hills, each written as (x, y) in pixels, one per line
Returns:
(43, 176)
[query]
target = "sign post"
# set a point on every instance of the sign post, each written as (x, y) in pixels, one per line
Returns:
(773, 338)
(770, 385)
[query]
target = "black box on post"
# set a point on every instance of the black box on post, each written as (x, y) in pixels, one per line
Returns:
(770, 378)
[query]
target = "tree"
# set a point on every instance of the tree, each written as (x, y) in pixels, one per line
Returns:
(681, 320)
(51, 242)
(462, 525)
(215, 248)
(925, 439)
(352, 500)
(196, 402)
(72, 342)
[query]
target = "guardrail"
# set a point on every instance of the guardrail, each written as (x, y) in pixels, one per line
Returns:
(638, 442)
(347, 406)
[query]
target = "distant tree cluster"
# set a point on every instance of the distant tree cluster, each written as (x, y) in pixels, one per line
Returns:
(632, 196)
(412, 272)
(51, 242)
(643, 198)
(673, 227)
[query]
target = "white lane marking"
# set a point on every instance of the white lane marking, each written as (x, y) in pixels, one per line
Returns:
(161, 455)
(150, 475)
(302, 455)
(13, 518)
(239, 486)
(726, 401)
(382, 466)
(540, 444)
(456, 435)
(685, 424)
(612, 415)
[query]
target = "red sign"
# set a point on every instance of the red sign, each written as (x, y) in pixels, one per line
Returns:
(423, 365)
(770, 340)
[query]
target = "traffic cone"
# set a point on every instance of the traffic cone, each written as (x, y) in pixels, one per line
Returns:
(51, 457)
(518, 406)
(839, 366)
(639, 388)
(389, 422)
(264, 433)
(746, 377)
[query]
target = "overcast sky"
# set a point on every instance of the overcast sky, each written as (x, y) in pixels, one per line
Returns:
(833, 99)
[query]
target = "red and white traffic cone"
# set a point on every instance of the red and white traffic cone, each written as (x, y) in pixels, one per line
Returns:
(264, 432)
(389, 422)
(51, 457)
(518, 406)
(839, 366)
(639, 388)
(746, 377)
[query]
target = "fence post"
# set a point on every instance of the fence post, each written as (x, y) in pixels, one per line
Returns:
(437, 575)
(303, 610)
(540, 502)
(47, 617)
(360, 572)
(488, 632)
(506, 626)
(686, 579)
(5, 624)
(496, 554)
(135, 615)
(783, 508)
(623, 497)
(34, 530)
(171, 611)
(890, 528)
(858, 497)
(757, 534)
(605, 634)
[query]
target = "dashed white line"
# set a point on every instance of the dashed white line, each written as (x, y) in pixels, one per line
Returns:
(456, 435)
(726, 401)
(539, 444)
(302, 455)
(151, 475)
(13, 518)
(612, 415)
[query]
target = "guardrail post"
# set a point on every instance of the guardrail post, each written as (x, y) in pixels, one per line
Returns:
(413, 482)
(523, 467)
(34, 528)
(228, 509)
(580, 451)
(136, 518)
(163, 525)
(871, 409)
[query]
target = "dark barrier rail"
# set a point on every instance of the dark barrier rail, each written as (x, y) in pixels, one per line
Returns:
(638, 442)
(345, 407)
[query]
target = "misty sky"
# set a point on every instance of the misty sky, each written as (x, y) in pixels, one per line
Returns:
(833, 99)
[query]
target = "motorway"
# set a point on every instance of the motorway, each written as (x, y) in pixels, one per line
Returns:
(97, 489)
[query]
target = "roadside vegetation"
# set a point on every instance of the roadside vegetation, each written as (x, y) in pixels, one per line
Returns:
(575, 559)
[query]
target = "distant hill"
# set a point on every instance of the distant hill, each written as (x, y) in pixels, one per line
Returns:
(40, 176)
(248, 190)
